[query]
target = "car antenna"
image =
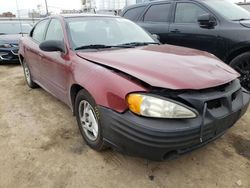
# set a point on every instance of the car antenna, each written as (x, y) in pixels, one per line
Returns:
(19, 19)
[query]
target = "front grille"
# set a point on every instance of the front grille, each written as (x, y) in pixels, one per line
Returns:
(15, 51)
(216, 103)
(220, 99)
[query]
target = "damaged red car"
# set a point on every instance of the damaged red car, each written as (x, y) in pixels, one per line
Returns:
(126, 90)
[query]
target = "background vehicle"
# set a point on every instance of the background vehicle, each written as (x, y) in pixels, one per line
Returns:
(10, 33)
(129, 92)
(216, 26)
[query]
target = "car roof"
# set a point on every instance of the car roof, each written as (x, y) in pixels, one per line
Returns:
(143, 4)
(83, 15)
(151, 2)
(146, 3)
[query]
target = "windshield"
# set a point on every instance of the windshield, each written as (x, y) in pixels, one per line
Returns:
(228, 9)
(14, 28)
(106, 31)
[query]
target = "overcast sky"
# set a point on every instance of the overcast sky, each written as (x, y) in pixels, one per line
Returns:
(54, 5)
(10, 5)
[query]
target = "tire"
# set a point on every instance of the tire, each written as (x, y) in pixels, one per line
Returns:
(27, 75)
(87, 116)
(242, 64)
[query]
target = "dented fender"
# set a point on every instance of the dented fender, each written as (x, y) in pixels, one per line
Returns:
(108, 87)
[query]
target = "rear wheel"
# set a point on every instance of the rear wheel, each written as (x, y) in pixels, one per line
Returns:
(27, 75)
(88, 120)
(242, 64)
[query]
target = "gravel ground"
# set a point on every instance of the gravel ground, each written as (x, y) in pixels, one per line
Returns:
(40, 146)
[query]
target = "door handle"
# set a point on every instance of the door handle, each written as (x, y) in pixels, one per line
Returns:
(175, 31)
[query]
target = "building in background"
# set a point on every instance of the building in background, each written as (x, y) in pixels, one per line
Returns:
(34, 14)
(8, 14)
(108, 6)
(245, 6)
(70, 11)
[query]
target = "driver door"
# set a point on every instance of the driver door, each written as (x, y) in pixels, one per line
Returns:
(54, 66)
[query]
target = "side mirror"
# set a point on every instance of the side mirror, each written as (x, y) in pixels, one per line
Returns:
(156, 37)
(207, 21)
(52, 46)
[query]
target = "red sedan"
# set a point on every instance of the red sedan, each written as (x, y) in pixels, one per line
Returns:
(129, 92)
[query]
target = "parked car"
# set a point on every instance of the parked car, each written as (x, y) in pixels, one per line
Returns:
(129, 92)
(10, 33)
(216, 26)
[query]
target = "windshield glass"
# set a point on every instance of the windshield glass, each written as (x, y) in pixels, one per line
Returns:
(14, 28)
(105, 31)
(228, 9)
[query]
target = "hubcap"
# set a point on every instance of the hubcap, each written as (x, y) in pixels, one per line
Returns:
(27, 73)
(243, 68)
(88, 120)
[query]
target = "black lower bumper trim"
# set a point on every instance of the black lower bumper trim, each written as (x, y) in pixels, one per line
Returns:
(157, 139)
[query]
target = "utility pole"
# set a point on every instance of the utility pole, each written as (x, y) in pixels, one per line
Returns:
(19, 18)
(90, 5)
(46, 5)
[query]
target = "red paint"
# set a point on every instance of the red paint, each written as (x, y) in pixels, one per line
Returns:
(167, 66)
(162, 66)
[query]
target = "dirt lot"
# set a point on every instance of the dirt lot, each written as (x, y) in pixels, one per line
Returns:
(40, 146)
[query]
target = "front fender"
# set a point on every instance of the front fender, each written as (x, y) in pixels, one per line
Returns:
(107, 87)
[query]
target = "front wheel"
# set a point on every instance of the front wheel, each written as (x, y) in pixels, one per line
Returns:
(88, 120)
(242, 64)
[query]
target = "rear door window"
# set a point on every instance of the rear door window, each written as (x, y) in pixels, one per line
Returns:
(134, 13)
(188, 13)
(39, 31)
(158, 13)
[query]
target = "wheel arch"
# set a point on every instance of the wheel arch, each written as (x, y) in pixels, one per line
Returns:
(75, 88)
(21, 58)
(236, 53)
(108, 88)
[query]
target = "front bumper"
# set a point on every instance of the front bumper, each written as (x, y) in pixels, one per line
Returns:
(159, 139)
(9, 55)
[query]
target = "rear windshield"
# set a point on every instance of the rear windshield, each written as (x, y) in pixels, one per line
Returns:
(14, 28)
(228, 9)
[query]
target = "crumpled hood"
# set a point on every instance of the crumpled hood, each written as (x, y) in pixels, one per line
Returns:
(167, 66)
(245, 23)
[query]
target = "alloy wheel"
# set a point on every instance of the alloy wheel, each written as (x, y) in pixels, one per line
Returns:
(88, 120)
(243, 67)
(27, 73)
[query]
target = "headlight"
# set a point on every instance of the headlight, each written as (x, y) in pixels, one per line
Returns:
(155, 107)
(5, 45)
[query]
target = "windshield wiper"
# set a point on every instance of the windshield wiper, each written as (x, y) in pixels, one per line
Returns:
(22, 33)
(135, 44)
(139, 43)
(3, 33)
(100, 46)
(242, 19)
(125, 45)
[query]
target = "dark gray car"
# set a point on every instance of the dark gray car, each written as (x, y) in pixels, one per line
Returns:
(10, 33)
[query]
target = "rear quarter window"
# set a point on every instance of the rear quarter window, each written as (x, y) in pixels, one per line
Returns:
(133, 13)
